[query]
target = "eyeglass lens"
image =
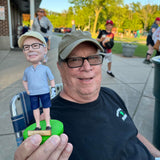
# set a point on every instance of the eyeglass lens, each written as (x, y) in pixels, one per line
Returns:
(78, 61)
(34, 46)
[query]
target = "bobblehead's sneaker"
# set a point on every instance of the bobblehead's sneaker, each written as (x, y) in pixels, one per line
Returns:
(37, 129)
(111, 74)
(48, 128)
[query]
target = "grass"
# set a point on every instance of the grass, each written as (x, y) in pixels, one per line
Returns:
(140, 51)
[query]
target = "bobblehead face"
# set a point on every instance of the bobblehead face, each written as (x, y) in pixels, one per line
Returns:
(34, 55)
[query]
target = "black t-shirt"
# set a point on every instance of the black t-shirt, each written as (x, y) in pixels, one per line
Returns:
(110, 35)
(100, 130)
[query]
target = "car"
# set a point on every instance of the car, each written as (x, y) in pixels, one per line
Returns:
(56, 30)
(65, 30)
(68, 30)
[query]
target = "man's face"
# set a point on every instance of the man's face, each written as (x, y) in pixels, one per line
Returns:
(34, 53)
(82, 83)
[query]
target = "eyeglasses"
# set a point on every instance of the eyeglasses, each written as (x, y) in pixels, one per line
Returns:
(34, 46)
(75, 62)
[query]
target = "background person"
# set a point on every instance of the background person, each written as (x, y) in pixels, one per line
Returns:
(95, 118)
(150, 42)
(106, 39)
(42, 21)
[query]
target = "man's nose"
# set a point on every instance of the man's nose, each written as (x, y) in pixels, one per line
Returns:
(86, 65)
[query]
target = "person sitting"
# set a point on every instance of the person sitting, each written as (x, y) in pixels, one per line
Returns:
(97, 125)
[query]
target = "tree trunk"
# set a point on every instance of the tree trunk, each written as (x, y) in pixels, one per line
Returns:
(97, 11)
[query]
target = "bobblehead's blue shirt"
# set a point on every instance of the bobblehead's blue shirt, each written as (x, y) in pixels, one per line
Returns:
(37, 79)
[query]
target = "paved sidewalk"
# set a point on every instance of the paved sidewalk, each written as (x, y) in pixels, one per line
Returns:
(133, 82)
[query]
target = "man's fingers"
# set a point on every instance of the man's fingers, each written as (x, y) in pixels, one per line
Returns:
(27, 147)
(66, 152)
(46, 149)
(61, 147)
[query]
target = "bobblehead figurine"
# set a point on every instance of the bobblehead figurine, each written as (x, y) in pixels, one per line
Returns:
(35, 82)
(35, 78)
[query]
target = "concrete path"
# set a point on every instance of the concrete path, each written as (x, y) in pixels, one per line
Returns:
(133, 82)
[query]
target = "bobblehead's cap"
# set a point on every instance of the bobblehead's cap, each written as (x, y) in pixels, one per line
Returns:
(33, 34)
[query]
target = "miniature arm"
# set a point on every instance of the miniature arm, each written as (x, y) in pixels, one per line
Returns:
(25, 84)
(53, 89)
(154, 151)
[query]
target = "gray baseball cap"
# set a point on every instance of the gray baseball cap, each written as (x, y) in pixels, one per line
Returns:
(71, 40)
(30, 34)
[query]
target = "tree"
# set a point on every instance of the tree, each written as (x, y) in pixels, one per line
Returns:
(97, 6)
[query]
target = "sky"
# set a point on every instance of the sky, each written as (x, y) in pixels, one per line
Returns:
(61, 5)
(55, 5)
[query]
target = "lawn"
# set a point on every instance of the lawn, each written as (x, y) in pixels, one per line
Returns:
(140, 51)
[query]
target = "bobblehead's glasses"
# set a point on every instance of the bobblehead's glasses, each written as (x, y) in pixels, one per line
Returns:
(75, 62)
(34, 46)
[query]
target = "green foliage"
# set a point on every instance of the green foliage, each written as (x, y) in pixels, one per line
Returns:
(92, 14)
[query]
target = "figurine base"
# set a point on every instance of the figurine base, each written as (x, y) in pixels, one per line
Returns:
(56, 129)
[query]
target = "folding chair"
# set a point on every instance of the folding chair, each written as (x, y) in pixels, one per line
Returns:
(22, 114)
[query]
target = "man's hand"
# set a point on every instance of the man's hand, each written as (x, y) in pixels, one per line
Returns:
(55, 148)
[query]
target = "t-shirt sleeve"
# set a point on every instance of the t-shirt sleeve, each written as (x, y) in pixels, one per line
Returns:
(100, 34)
(49, 74)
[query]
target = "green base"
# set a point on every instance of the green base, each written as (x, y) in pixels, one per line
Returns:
(56, 129)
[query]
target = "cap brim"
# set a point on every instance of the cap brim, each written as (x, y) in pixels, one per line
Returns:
(70, 47)
(30, 34)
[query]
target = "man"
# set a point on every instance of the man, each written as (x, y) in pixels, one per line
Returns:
(106, 39)
(95, 118)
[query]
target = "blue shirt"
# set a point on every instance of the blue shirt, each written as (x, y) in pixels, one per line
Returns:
(37, 79)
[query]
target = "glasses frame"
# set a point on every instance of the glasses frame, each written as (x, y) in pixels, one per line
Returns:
(83, 58)
(39, 44)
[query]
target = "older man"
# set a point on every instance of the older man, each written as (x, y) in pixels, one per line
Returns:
(95, 118)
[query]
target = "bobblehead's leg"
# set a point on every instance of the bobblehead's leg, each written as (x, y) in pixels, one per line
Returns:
(46, 112)
(36, 114)
(46, 102)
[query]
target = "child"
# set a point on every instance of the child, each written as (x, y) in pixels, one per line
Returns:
(35, 78)
(106, 39)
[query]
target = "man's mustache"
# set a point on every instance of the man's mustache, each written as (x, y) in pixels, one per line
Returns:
(32, 53)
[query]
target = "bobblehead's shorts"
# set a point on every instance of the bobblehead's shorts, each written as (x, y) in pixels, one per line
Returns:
(45, 99)
(108, 57)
